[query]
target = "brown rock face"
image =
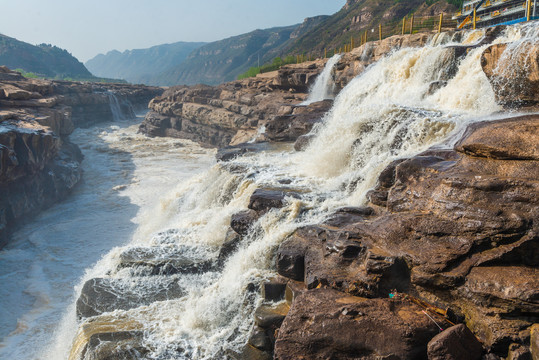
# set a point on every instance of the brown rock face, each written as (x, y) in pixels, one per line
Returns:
(230, 113)
(455, 343)
(38, 164)
(510, 139)
(457, 229)
(514, 74)
(328, 324)
(300, 122)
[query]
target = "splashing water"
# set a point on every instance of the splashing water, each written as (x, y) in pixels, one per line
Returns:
(405, 103)
(120, 110)
(324, 87)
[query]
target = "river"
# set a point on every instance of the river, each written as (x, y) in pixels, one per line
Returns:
(126, 177)
(165, 196)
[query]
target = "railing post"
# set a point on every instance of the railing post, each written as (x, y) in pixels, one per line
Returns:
(365, 36)
(403, 24)
(528, 10)
(325, 53)
(412, 24)
(440, 25)
(474, 18)
(380, 31)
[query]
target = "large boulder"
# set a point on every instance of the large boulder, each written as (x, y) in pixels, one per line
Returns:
(456, 228)
(164, 260)
(101, 295)
(455, 343)
(291, 126)
(328, 324)
(513, 72)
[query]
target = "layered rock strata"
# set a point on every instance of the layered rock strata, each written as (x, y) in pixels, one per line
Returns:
(38, 163)
(268, 107)
(440, 264)
(454, 228)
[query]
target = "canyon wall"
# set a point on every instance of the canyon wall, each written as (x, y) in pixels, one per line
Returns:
(38, 163)
(440, 262)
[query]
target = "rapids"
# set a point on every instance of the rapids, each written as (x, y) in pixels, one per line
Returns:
(323, 87)
(388, 112)
(125, 177)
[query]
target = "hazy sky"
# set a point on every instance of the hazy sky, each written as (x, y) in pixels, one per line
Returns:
(89, 27)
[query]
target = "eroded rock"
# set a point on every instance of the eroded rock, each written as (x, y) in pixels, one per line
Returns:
(513, 72)
(324, 323)
(101, 295)
(455, 343)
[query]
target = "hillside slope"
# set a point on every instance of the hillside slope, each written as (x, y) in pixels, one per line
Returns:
(140, 65)
(45, 60)
(224, 60)
(358, 16)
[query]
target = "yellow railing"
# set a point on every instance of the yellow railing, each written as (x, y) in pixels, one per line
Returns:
(408, 25)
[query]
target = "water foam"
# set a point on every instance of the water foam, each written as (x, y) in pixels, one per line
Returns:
(403, 104)
(324, 86)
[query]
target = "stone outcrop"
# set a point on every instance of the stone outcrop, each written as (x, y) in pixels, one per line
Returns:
(453, 228)
(514, 74)
(455, 343)
(268, 107)
(220, 115)
(328, 324)
(38, 163)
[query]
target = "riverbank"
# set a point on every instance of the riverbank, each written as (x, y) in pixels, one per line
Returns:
(403, 227)
(39, 164)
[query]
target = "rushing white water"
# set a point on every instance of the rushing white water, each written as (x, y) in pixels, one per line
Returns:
(125, 177)
(120, 110)
(392, 110)
(324, 87)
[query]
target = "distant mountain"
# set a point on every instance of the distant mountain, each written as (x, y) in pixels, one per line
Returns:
(141, 65)
(224, 60)
(359, 15)
(43, 60)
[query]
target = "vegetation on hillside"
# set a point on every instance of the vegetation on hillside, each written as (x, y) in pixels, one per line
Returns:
(43, 61)
(274, 65)
(365, 15)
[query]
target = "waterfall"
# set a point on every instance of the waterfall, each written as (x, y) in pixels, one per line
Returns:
(120, 110)
(407, 102)
(324, 87)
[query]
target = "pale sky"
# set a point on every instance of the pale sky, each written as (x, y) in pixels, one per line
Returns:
(86, 28)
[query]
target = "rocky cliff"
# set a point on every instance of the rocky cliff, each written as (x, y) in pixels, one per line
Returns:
(441, 263)
(38, 163)
(267, 107)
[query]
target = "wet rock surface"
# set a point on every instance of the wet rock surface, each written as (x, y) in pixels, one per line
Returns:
(514, 74)
(102, 295)
(455, 228)
(38, 164)
(163, 260)
(325, 323)
(300, 122)
(115, 345)
(228, 153)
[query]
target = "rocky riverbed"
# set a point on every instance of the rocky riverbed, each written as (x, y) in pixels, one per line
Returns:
(404, 226)
(441, 262)
(38, 163)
